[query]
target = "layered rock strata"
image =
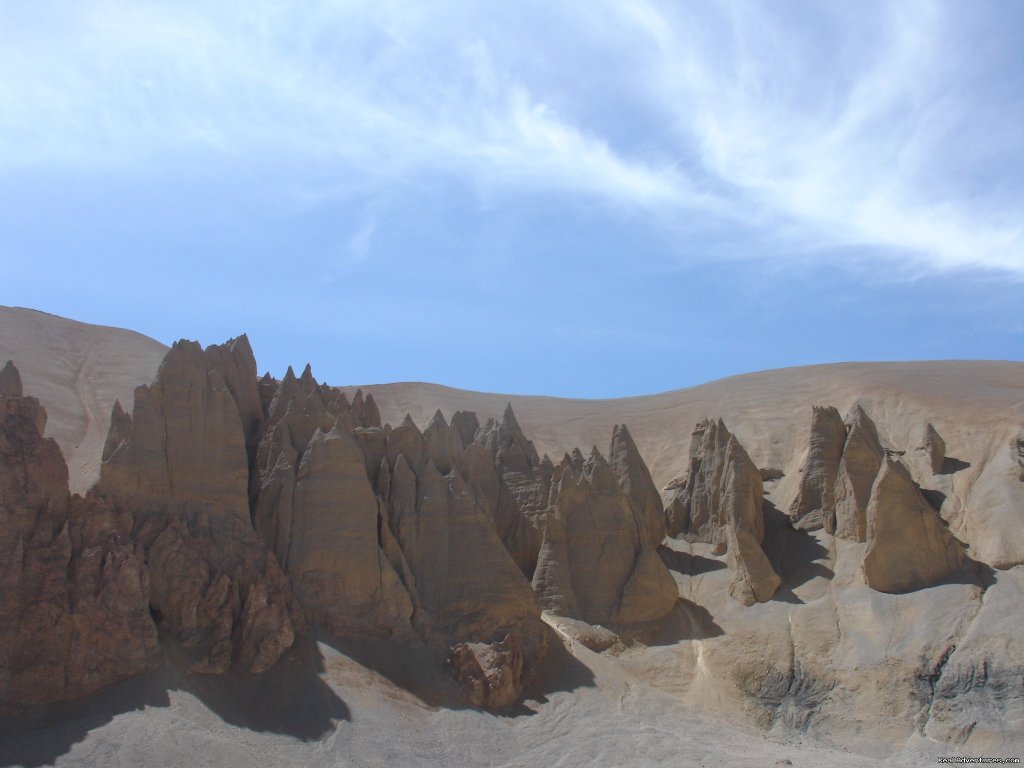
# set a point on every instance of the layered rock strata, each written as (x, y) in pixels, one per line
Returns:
(73, 609)
(720, 503)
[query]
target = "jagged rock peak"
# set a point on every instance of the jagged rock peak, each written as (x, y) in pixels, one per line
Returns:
(307, 375)
(908, 544)
(10, 381)
(120, 429)
(73, 590)
(935, 447)
(814, 505)
(465, 424)
(635, 481)
(862, 458)
(595, 561)
(721, 503)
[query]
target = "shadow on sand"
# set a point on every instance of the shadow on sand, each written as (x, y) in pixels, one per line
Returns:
(291, 699)
(794, 554)
(688, 564)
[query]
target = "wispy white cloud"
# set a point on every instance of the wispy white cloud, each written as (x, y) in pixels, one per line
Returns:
(838, 131)
(816, 126)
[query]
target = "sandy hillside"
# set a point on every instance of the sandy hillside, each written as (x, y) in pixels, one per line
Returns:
(77, 371)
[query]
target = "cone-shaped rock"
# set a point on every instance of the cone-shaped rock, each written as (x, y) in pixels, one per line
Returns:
(635, 480)
(10, 381)
(721, 503)
(180, 465)
(862, 458)
(909, 547)
(340, 575)
(934, 448)
(814, 505)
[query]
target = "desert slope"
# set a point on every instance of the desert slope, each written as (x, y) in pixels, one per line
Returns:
(77, 371)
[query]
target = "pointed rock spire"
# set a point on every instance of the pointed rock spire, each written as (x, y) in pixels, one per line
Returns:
(814, 505)
(635, 480)
(10, 381)
(909, 546)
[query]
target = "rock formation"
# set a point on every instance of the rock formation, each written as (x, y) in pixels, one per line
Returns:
(179, 465)
(862, 458)
(635, 481)
(597, 562)
(185, 440)
(909, 547)
(73, 609)
(470, 596)
(934, 448)
(814, 505)
(720, 503)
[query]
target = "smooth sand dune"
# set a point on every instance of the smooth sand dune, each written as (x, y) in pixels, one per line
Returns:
(77, 371)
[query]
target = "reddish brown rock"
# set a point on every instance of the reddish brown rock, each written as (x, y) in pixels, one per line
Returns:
(490, 674)
(215, 587)
(181, 466)
(73, 609)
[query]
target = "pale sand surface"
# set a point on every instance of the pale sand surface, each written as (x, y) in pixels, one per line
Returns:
(594, 713)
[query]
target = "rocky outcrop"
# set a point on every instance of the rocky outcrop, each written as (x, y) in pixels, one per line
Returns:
(597, 562)
(510, 481)
(909, 546)
(316, 509)
(862, 458)
(934, 447)
(635, 481)
(185, 440)
(10, 381)
(720, 503)
(490, 674)
(180, 466)
(73, 610)
(471, 600)
(814, 505)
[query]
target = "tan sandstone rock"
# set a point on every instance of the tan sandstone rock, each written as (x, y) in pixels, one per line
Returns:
(721, 503)
(909, 547)
(862, 458)
(814, 505)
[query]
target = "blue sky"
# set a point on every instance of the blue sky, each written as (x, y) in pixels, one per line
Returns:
(585, 199)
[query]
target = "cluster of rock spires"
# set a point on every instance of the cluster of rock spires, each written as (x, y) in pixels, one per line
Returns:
(241, 511)
(855, 489)
(235, 513)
